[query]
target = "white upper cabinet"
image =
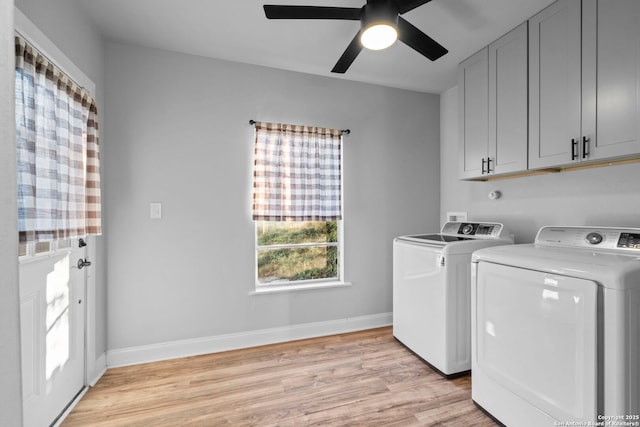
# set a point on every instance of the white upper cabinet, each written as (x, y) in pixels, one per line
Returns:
(554, 84)
(610, 78)
(492, 87)
(508, 102)
(473, 92)
(584, 82)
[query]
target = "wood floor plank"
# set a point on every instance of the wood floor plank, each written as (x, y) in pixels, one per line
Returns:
(364, 378)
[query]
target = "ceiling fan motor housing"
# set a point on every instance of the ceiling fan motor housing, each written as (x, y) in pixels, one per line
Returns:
(379, 12)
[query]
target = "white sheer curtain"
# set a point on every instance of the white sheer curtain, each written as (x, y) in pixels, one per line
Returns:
(58, 153)
(297, 173)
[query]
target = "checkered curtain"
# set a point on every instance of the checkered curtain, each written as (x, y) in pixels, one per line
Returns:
(57, 144)
(297, 173)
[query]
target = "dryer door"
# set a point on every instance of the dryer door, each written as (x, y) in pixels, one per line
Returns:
(536, 338)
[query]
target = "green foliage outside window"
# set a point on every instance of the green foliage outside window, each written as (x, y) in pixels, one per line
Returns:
(297, 263)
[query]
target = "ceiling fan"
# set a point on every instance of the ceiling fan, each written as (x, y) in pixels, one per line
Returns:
(380, 26)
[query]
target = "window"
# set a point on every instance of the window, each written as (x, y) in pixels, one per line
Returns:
(57, 154)
(297, 205)
(296, 251)
(37, 248)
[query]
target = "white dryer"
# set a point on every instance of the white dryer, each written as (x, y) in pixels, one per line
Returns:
(431, 291)
(556, 328)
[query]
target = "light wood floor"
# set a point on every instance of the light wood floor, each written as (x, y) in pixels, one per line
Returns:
(359, 379)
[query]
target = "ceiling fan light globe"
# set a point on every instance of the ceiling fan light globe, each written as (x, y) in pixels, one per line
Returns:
(379, 36)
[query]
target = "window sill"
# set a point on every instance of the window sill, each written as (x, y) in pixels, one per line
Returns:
(299, 287)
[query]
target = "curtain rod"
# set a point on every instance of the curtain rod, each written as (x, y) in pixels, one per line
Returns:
(54, 63)
(344, 131)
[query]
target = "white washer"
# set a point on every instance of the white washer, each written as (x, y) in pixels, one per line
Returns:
(556, 328)
(431, 291)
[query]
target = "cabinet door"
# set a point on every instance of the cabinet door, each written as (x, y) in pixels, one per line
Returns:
(554, 85)
(508, 102)
(473, 105)
(611, 78)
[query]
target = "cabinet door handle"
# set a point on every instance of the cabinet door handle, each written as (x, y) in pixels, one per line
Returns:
(489, 165)
(483, 160)
(574, 149)
(585, 147)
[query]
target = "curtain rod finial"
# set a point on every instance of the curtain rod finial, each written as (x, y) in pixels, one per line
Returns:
(252, 122)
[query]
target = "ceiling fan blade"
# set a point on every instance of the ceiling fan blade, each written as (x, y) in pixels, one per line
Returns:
(348, 56)
(419, 41)
(311, 12)
(405, 6)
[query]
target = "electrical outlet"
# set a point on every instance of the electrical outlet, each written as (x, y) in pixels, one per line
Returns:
(457, 216)
(155, 210)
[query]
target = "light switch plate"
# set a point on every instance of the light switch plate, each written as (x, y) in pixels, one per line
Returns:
(155, 210)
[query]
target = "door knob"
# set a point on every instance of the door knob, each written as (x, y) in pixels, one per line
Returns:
(83, 263)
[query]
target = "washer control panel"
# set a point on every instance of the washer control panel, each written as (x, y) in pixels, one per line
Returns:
(594, 238)
(629, 240)
(487, 230)
(623, 239)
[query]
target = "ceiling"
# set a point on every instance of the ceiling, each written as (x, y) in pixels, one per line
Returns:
(237, 30)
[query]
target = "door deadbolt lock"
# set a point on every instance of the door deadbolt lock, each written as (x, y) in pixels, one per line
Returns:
(83, 263)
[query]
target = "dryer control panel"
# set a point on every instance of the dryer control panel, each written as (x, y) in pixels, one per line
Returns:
(610, 238)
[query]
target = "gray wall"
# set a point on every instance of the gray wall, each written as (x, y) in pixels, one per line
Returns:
(74, 34)
(605, 196)
(178, 133)
(10, 383)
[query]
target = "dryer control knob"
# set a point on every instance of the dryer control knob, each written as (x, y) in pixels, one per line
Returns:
(594, 238)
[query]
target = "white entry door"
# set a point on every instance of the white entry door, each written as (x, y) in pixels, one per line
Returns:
(52, 316)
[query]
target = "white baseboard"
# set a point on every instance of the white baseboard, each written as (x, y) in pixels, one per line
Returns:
(214, 344)
(97, 370)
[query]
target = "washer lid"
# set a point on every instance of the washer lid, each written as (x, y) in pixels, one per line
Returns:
(459, 237)
(429, 238)
(611, 269)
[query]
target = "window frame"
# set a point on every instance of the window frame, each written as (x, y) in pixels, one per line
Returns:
(42, 249)
(307, 283)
